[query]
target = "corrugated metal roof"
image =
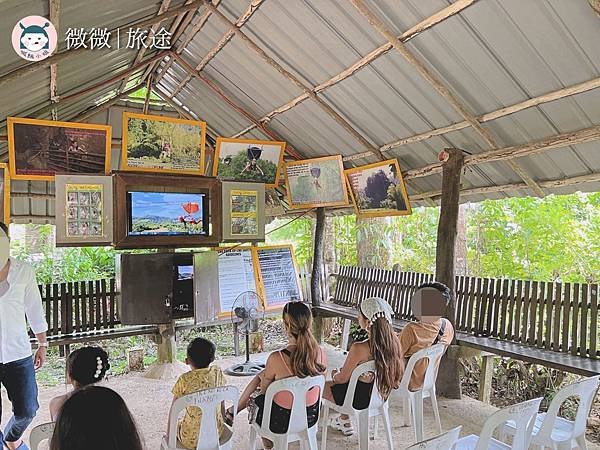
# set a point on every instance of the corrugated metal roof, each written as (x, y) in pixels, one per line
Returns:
(491, 55)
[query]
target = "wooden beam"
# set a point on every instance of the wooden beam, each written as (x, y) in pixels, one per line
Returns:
(61, 56)
(90, 112)
(363, 62)
(213, 86)
(440, 88)
(194, 31)
(250, 10)
(295, 80)
(318, 263)
(448, 382)
(148, 95)
(54, 8)
(182, 112)
(142, 51)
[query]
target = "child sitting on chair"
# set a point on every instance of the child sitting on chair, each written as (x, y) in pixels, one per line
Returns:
(85, 366)
(200, 355)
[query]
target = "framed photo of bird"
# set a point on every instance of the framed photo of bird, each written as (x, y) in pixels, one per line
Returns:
(316, 182)
(378, 190)
(248, 160)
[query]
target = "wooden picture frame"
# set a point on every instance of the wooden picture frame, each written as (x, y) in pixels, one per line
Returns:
(240, 167)
(210, 188)
(39, 149)
(307, 182)
(386, 175)
(5, 190)
(156, 157)
(84, 210)
(243, 211)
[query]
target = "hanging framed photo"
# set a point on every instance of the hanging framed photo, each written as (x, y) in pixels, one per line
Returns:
(39, 149)
(243, 212)
(248, 160)
(162, 144)
(84, 210)
(5, 190)
(316, 182)
(378, 190)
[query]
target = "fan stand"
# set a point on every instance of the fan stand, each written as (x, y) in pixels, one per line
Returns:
(248, 368)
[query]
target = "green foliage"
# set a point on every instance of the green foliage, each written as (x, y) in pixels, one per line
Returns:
(298, 233)
(235, 169)
(345, 233)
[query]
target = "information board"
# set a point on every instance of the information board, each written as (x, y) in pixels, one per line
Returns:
(278, 275)
(237, 274)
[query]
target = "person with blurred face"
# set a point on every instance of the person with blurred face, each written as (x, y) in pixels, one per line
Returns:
(20, 302)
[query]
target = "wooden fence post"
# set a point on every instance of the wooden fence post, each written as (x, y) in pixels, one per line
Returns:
(448, 382)
(316, 290)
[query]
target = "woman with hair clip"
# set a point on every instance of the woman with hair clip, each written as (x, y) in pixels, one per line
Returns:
(85, 366)
(302, 357)
(383, 347)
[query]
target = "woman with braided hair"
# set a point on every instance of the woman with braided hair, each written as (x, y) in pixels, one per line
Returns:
(383, 347)
(85, 366)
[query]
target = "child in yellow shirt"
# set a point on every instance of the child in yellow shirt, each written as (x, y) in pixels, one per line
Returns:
(200, 355)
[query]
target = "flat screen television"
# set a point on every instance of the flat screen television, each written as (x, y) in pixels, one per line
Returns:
(160, 210)
(167, 213)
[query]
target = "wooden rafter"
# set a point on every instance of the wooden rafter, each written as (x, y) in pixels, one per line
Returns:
(148, 95)
(193, 32)
(90, 112)
(250, 10)
(363, 62)
(440, 88)
(54, 8)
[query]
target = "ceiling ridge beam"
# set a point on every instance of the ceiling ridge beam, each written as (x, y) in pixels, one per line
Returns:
(441, 89)
(54, 16)
(61, 56)
(213, 86)
(180, 48)
(246, 15)
(516, 151)
(363, 62)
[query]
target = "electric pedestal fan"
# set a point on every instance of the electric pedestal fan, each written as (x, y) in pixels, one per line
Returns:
(246, 312)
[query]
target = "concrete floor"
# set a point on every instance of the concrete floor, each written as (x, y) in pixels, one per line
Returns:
(149, 401)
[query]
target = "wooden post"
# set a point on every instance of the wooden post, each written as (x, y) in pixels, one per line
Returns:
(485, 380)
(317, 271)
(448, 382)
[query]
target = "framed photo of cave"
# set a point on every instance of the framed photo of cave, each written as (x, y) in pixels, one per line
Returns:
(378, 190)
(84, 210)
(160, 144)
(161, 210)
(243, 211)
(39, 149)
(316, 182)
(248, 160)
(5, 190)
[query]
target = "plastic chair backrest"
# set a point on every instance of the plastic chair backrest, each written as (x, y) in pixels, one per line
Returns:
(299, 388)
(433, 354)
(358, 371)
(586, 391)
(41, 433)
(523, 414)
(209, 401)
(444, 441)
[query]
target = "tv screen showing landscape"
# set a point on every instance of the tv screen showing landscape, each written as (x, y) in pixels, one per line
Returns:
(185, 273)
(166, 214)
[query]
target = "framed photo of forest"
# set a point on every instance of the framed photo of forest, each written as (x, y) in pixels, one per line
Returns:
(38, 149)
(378, 190)
(316, 182)
(248, 160)
(5, 190)
(162, 144)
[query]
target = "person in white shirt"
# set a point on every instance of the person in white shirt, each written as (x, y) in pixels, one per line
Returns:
(20, 302)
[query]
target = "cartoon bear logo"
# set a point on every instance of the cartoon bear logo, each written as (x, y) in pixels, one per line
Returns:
(34, 38)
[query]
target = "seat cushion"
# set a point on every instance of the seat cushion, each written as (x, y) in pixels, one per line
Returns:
(470, 442)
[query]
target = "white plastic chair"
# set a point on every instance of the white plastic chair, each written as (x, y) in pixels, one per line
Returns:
(377, 407)
(524, 416)
(209, 401)
(555, 432)
(444, 441)
(40, 434)
(298, 429)
(413, 400)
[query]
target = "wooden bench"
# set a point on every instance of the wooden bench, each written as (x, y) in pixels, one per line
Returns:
(551, 324)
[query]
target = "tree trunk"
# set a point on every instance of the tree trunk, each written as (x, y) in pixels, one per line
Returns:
(373, 242)
(461, 241)
(317, 271)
